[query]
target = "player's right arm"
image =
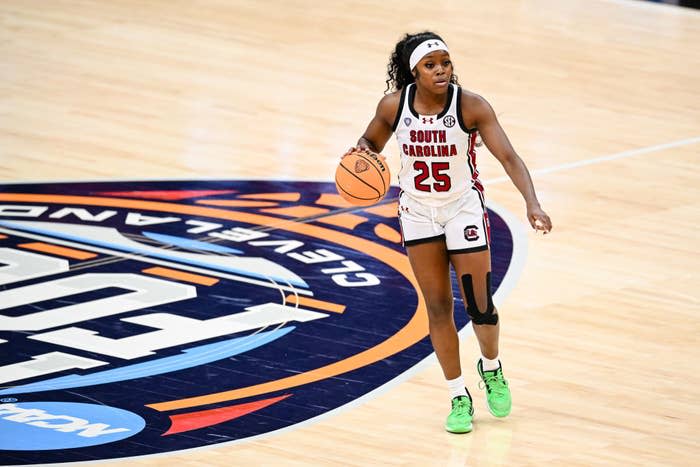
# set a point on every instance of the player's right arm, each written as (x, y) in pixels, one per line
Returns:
(380, 129)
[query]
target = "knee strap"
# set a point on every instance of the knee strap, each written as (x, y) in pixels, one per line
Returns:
(488, 317)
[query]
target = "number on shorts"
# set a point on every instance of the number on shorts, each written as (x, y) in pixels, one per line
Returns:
(436, 169)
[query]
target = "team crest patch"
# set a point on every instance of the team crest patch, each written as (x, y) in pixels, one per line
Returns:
(407, 121)
(471, 233)
(153, 317)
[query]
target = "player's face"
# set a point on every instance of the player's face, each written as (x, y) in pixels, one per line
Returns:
(434, 71)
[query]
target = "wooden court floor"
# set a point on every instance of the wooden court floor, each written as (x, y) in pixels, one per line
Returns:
(600, 98)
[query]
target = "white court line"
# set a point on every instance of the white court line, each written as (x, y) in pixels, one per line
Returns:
(596, 160)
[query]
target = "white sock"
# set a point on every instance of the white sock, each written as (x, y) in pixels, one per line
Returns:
(490, 365)
(456, 387)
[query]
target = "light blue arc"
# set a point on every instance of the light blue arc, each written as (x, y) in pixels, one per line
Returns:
(195, 356)
(190, 244)
(162, 254)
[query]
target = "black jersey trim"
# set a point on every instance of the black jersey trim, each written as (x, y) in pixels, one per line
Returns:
(460, 119)
(443, 112)
(450, 95)
(400, 111)
(411, 96)
(481, 197)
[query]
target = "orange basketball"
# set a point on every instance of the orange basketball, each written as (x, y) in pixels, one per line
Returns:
(362, 178)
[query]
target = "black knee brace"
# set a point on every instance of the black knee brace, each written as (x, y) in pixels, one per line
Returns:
(487, 317)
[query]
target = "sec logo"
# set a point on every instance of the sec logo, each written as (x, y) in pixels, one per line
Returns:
(163, 316)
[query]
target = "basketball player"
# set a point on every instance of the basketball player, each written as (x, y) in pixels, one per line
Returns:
(441, 206)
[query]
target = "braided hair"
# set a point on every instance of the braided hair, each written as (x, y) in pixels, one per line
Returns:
(398, 68)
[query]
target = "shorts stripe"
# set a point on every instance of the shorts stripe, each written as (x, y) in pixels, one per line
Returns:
(485, 217)
(424, 240)
(468, 250)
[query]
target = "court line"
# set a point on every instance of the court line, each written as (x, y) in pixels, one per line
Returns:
(631, 152)
(597, 160)
(505, 178)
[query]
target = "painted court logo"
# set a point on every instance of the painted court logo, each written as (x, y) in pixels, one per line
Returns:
(162, 316)
(54, 428)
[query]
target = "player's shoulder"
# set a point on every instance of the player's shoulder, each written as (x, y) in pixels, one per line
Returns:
(389, 105)
(472, 100)
(391, 100)
(474, 108)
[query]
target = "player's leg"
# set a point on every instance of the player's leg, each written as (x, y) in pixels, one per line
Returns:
(425, 244)
(473, 271)
(466, 236)
(430, 265)
(474, 275)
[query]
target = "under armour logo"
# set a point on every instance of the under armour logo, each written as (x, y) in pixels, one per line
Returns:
(426, 120)
(431, 44)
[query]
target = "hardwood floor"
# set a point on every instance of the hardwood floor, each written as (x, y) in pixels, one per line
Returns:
(600, 98)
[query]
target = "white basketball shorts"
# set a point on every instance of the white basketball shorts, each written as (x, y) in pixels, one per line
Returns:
(463, 224)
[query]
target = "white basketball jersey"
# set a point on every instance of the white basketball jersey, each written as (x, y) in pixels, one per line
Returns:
(438, 160)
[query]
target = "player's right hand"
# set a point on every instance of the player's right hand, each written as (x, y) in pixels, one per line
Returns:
(358, 148)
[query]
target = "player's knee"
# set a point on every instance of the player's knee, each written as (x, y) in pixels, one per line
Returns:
(440, 308)
(484, 314)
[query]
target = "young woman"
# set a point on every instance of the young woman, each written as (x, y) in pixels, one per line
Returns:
(441, 206)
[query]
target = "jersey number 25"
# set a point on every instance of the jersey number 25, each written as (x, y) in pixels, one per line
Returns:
(437, 171)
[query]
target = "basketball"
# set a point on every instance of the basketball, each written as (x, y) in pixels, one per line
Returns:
(362, 179)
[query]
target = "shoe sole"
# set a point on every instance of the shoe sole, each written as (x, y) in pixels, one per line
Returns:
(498, 416)
(459, 432)
(494, 414)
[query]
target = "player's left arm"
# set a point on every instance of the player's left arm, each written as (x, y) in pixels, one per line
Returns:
(482, 116)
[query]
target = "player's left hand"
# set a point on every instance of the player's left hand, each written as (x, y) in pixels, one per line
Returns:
(539, 220)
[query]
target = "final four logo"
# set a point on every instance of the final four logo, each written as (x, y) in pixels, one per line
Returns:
(161, 316)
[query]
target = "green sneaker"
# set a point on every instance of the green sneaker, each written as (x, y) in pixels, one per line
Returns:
(460, 418)
(497, 392)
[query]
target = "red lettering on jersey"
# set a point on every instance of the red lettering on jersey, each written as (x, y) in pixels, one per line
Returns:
(428, 136)
(443, 150)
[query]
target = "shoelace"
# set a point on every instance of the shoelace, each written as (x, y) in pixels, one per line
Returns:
(493, 382)
(461, 405)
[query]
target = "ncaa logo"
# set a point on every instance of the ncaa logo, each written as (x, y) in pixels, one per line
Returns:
(159, 316)
(61, 425)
